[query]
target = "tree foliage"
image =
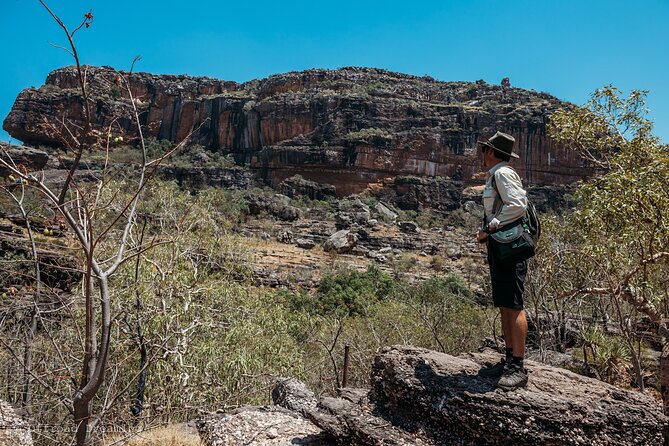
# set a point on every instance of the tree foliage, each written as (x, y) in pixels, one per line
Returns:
(611, 254)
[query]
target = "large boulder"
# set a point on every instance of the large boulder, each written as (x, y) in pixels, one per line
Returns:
(14, 430)
(294, 395)
(422, 397)
(341, 242)
(557, 406)
(386, 211)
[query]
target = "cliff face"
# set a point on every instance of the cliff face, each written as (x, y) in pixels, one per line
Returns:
(349, 127)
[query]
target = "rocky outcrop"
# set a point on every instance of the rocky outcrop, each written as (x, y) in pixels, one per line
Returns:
(351, 128)
(199, 177)
(24, 158)
(420, 193)
(421, 397)
(14, 430)
(261, 426)
(296, 186)
(271, 205)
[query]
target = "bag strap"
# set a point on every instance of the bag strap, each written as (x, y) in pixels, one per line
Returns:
(495, 204)
(498, 198)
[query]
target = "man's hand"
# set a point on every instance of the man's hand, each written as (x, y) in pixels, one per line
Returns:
(481, 236)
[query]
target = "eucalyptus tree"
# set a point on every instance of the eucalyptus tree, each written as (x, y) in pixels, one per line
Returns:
(615, 244)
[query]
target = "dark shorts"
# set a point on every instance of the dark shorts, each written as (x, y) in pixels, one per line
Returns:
(508, 282)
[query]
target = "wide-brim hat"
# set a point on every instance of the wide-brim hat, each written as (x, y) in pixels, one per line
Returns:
(502, 143)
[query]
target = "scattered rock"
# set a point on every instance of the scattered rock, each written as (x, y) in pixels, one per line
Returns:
(454, 253)
(343, 220)
(305, 243)
(473, 208)
(375, 255)
(359, 250)
(431, 249)
(285, 237)
(386, 211)
(341, 242)
(408, 226)
(201, 158)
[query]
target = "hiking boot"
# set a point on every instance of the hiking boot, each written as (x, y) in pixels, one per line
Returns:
(494, 371)
(514, 377)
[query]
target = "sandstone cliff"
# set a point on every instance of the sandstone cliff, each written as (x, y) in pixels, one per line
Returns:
(350, 127)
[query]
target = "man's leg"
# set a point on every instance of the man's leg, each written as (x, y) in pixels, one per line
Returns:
(515, 375)
(514, 326)
(506, 331)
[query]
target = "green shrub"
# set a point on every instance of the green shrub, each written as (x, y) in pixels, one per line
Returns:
(115, 92)
(345, 293)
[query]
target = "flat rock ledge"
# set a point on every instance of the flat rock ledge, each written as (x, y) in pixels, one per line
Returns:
(442, 394)
(260, 426)
(421, 397)
(14, 430)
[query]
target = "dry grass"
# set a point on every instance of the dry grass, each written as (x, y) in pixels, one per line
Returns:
(172, 435)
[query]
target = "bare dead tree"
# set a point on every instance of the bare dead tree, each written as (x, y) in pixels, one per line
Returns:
(19, 200)
(81, 213)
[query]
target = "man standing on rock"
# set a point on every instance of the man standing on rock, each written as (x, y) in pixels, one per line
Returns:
(505, 201)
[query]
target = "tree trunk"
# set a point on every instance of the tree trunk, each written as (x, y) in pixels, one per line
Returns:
(664, 375)
(27, 363)
(82, 416)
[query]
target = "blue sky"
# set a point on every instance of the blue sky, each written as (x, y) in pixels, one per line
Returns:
(567, 48)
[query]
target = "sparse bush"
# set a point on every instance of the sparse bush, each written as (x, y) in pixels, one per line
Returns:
(402, 264)
(608, 354)
(438, 263)
(115, 92)
(373, 87)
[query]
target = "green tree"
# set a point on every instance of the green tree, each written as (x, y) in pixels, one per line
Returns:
(615, 244)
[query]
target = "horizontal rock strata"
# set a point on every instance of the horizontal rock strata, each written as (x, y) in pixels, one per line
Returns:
(349, 128)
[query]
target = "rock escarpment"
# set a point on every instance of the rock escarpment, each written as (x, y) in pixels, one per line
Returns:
(421, 397)
(349, 128)
(23, 158)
